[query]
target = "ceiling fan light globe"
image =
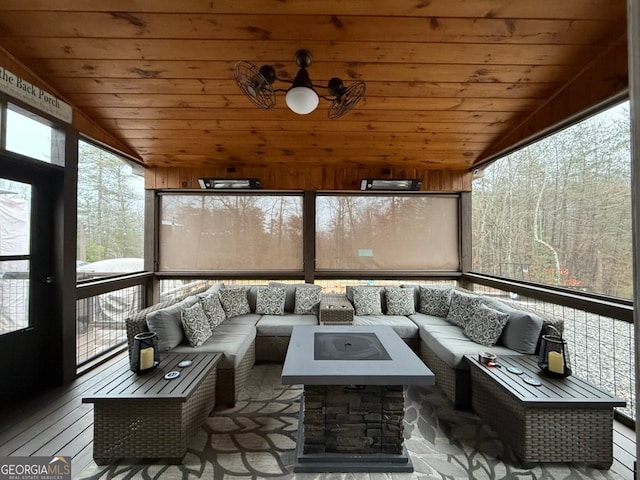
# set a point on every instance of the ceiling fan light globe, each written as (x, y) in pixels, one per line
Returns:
(302, 100)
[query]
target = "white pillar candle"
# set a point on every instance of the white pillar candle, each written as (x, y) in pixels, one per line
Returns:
(556, 362)
(146, 358)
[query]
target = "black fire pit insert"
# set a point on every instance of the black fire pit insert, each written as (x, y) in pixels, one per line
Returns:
(348, 346)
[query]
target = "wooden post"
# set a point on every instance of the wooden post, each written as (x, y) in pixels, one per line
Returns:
(633, 19)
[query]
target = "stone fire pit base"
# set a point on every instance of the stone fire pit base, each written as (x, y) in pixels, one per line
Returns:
(352, 429)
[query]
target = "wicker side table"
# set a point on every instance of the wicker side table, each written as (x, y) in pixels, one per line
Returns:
(335, 309)
(147, 416)
(561, 420)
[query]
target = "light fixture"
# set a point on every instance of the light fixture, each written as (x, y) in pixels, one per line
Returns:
(229, 183)
(302, 97)
(387, 184)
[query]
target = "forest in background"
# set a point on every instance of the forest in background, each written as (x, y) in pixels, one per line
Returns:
(110, 207)
(558, 211)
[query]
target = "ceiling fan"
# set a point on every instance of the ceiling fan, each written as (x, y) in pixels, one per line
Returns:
(302, 97)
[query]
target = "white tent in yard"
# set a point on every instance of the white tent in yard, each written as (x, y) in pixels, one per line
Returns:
(113, 306)
(14, 274)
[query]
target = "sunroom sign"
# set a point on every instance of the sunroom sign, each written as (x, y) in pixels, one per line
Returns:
(19, 88)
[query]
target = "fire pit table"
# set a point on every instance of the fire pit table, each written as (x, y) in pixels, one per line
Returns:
(352, 413)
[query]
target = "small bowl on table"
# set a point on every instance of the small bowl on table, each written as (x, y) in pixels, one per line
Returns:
(486, 358)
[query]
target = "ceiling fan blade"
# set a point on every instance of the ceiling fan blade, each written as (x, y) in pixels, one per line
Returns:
(254, 84)
(346, 100)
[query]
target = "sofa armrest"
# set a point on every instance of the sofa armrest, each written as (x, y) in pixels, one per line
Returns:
(137, 323)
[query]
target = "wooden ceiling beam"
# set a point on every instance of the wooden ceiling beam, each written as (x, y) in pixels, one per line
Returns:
(440, 160)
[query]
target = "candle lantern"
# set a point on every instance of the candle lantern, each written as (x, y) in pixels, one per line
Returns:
(553, 357)
(145, 355)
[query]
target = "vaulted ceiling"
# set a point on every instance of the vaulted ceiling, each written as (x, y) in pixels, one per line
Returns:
(445, 79)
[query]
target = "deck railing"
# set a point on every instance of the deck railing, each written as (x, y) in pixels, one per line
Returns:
(101, 309)
(601, 346)
(600, 335)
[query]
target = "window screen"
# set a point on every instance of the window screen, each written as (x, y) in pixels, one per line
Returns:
(387, 232)
(201, 232)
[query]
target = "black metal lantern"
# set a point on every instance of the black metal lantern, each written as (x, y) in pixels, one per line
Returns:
(144, 353)
(553, 358)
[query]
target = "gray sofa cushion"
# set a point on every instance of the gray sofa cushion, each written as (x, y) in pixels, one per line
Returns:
(212, 290)
(232, 341)
(167, 323)
(282, 325)
(252, 296)
(421, 319)
(451, 345)
(522, 330)
(401, 324)
(246, 319)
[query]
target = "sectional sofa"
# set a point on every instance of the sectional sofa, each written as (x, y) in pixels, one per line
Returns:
(245, 324)
(254, 324)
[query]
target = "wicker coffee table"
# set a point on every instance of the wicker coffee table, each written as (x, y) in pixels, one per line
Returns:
(335, 309)
(561, 420)
(146, 416)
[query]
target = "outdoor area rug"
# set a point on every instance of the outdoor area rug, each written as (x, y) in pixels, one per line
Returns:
(256, 439)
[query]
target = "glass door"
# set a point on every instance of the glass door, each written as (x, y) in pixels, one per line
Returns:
(15, 255)
(27, 328)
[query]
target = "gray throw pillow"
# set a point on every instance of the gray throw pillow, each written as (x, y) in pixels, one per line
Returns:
(270, 300)
(523, 328)
(366, 301)
(196, 325)
(435, 300)
(167, 324)
(308, 300)
(213, 309)
(234, 301)
(462, 307)
(485, 326)
(400, 301)
(290, 289)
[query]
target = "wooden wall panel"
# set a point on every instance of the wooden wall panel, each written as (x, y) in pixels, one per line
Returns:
(604, 78)
(81, 122)
(312, 178)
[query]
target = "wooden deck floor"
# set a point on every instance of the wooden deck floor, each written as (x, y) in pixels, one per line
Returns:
(58, 423)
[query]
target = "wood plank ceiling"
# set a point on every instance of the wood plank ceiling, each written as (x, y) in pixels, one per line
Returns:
(445, 79)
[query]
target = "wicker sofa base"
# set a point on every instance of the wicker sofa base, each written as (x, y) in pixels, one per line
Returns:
(456, 384)
(566, 434)
(154, 428)
(271, 349)
(231, 380)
